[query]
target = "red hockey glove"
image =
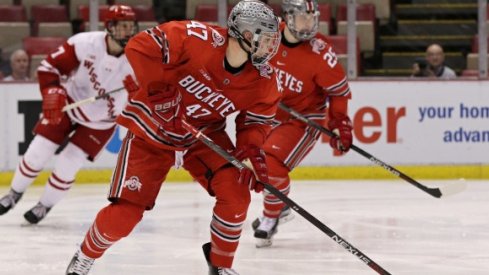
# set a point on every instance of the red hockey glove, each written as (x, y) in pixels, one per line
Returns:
(165, 101)
(53, 101)
(342, 127)
(257, 158)
(130, 85)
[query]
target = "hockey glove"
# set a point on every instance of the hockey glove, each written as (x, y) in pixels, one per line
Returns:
(165, 101)
(342, 127)
(259, 172)
(130, 85)
(53, 101)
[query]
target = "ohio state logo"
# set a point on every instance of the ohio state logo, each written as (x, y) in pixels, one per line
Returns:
(133, 184)
(217, 38)
(265, 70)
(317, 45)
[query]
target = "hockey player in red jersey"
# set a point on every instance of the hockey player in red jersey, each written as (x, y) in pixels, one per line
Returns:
(95, 64)
(199, 73)
(311, 75)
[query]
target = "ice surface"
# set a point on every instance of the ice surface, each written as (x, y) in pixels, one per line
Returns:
(395, 224)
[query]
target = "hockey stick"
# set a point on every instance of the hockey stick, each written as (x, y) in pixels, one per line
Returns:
(436, 192)
(89, 100)
(270, 188)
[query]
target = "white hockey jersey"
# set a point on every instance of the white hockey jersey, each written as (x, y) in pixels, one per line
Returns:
(92, 71)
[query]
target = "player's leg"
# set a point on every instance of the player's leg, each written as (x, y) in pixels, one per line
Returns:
(137, 163)
(41, 149)
(220, 179)
(275, 212)
(84, 143)
(286, 146)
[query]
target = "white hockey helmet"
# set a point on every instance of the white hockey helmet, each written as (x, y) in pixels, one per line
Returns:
(302, 18)
(256, 18)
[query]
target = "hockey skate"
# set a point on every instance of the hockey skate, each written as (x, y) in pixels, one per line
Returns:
(285, 216)
(80, 264)
(214, 270)
(265, 227)
(265, 231)
(37, 213)
(9, 201)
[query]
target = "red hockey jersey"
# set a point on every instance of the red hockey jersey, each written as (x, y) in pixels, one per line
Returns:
(190, 56)
(309, 73)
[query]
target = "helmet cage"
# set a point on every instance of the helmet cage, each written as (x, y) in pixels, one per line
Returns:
(115, 15)
(116, 34)
(258, 19)
(293, 9)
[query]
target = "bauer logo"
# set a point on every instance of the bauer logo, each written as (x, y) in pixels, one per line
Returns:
(133, 184)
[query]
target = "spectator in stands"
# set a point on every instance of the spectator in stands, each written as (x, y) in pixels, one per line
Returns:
(433, 65)
(19, 62)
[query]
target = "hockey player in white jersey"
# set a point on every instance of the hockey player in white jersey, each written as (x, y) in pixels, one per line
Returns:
(94, 63)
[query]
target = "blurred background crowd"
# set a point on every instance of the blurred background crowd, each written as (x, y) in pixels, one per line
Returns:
(402, 38)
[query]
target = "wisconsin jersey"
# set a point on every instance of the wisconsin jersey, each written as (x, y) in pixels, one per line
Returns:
(91, 71)
(306, 90)
(190, 55)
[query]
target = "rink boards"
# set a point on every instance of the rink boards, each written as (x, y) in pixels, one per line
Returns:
(428, 129)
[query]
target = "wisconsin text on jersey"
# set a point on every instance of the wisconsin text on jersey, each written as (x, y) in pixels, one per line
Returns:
(100, 90)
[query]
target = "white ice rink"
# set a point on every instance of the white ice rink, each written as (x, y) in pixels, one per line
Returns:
(397, 225)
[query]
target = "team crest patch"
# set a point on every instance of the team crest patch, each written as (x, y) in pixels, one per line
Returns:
(265, 70)
(217, 39)
(133, 184)
(317, 45)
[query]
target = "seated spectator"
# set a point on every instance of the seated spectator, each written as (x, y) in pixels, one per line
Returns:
(19, 62)
(433, 65)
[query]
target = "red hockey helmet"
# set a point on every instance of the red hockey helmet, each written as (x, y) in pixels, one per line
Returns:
(118, 13)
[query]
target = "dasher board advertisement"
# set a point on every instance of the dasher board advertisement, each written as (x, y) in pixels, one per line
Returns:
(401, 122)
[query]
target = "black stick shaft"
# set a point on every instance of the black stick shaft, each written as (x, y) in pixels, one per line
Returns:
(270, 188)
(435, 192)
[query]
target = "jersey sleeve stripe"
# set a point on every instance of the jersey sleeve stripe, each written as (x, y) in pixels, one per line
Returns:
(141, 106)
(341, 93)
(251, 114)
(155, 37)
(160, 38)
(252, 118)
(146, 128)
(315, 116)
(337, 85)
(47, 67)
(144, 110)
(153, 132)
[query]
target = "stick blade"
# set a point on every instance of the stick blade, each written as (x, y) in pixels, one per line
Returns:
(453, 188)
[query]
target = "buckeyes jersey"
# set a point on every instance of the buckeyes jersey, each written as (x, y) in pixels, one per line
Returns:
(91, 71)
(190, 55)
(309, 73)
